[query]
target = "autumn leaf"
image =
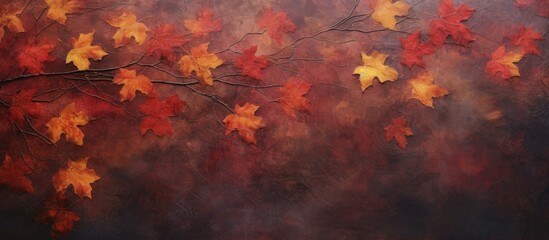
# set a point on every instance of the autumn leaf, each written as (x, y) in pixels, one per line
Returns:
(82, 50)
(163, 42)
(157, 114)
(374, 66)
(424, 90)
(245, 121)
(525, 39)
(67, 123)
(292, 99)
(386, 10)
(450, 24)
(414, 49)
(76, 174)
(504, 63)
(22, 105)
(128, 27)
(200, 61)
(32, 58)
(204, 24)
(56, 213)
(58, 9)
(13, 175)
(250, 64)
(9, 19)
(132, 82)
(276, 24)
(398, 131)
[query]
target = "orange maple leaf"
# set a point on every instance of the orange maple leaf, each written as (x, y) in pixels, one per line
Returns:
(13, 174)
(58, 9)
(504, 63)
(9, 19)
(200, 61)
(398, 131)
(67, 123)
(276, 24)
(292, 96)
(129, 27)
(374, 66)
(78, 175)
(56, 213)
(132, 82)
(82, 50)
(385, 12)
(204, 24)
(245, 121)
(424, 90)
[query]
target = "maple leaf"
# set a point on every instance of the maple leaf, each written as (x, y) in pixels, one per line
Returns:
(385, 12)
(67, 123)
(9, 19)
(58, 9)
(398, 131)
(276, 24)
(200, 61)
(504, 63)
(414, 50)
(245, 121)
(132, 82)
(82, 50)
(163, 42)
(55, 212)
(450, 24)
(128, 27)
(525, 39)
(374, 66)
(33, 57)
(22, 105)
(157, 114)
(204, 24)
(424, 90)
(541, 7)
(13, 174)
(292, 97)
(250, 64)
(76, 174)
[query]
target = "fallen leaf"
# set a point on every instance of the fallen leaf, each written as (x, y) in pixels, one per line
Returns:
(398, 131)
(204, 24)
(250, 64)
(67, 123)
(22, 105)
(414, 49)
(82, 50)
(157, 114)
(13, 175)
(374, 66)
(78, 175)
(276, 24)
(9, 19)
(58, 9)
(503, 63)
(128, 27)
(245, 121)
(292, 99)
(132, 82)
(525, 39)
(424, 90)
(32, 58)
(163, 42)
(200, 61)
(450, 24)
(386, 10)
(56, 213)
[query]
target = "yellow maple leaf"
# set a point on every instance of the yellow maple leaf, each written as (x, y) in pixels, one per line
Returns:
(374, 66)
(58, 9)
(82, 50)
(132, 82)
(424, 90)
(200, 61)
(78, 175)
(9, 19)
(67, 123)
(244, 121)
(129, 27)
(385, 12)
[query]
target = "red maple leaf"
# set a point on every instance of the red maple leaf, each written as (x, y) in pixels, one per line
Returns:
(414, 50)
(525, 39)
(292, 97)
(33, 57)
(450, 24)
(163, 42)
(56, 213)
(22, 105)
(276, 24)
(157, 114)
(13, 174)
(398, 131)
(204, 24)
(250, 64)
